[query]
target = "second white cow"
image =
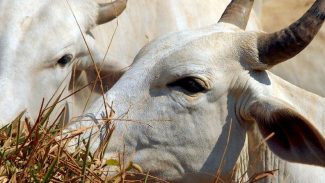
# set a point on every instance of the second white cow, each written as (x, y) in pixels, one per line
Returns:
(39, 43)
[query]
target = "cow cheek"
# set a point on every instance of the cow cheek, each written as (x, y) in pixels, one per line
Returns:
(11, 102)
(45, 85)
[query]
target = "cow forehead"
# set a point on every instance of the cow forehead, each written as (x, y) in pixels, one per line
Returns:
(23, 16)
(210, 46)
(15, 11)
(32, 24)
(174, 41)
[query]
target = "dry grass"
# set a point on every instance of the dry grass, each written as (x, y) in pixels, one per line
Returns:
(39, 153)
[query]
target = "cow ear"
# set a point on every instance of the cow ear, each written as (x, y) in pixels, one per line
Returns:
(109, 75)
(109, 69)
(294, 137)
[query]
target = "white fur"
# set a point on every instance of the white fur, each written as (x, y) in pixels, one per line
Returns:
(181, 137)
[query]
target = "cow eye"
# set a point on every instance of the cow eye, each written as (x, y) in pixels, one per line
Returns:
(65, 60)
(189, 84)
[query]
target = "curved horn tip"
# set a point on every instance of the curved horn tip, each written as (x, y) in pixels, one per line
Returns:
(237, 13)
(282, 45)
(110, 11)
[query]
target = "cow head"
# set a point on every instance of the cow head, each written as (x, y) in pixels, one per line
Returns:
(186, 104)
(40, 42)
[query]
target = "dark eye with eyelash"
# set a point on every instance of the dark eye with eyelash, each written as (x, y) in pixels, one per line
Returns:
(189, 84)
(63, 61)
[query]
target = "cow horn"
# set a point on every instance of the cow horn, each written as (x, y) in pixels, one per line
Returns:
(110, 11)
(280, 46)
(237, 13)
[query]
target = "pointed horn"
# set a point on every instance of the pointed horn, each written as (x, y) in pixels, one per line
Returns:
(282, 45)
(237, 13)
(110, 11)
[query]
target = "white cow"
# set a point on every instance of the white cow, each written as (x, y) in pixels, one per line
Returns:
(196, 104)
(39, 41)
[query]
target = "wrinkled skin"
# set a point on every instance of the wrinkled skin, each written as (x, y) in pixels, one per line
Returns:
(182, 136)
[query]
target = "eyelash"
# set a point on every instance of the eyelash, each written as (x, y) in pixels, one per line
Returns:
(190, 85)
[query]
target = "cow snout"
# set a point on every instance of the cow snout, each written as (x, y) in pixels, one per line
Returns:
(9, 110)
(11, 104)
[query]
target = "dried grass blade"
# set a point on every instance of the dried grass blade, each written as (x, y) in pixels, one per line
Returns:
(260, 176)
(51, 108)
